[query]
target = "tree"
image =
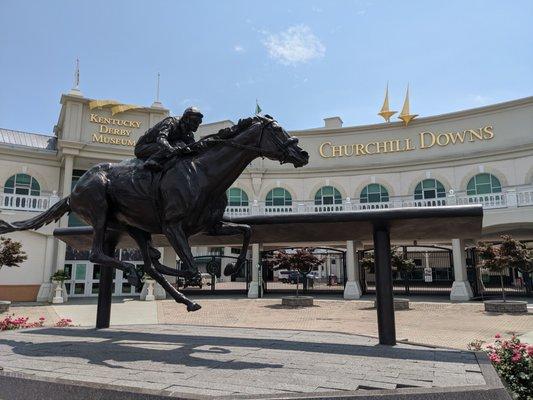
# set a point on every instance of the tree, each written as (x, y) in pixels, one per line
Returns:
(399, 262)
(302, 260)
(510, 253)
(11, 253)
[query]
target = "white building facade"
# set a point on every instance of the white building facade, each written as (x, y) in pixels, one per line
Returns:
(483, 155)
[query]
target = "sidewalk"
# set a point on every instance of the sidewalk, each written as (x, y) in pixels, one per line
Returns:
(438, 323)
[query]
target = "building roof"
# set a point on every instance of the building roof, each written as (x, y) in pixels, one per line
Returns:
(26, 139)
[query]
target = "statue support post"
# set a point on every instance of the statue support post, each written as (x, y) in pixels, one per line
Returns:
(105, 287)
(384, 286)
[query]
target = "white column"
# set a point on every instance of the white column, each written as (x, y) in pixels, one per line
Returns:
(352, 290)
(63, 222)
(168, 259)
(46, 286)
(461, 290)
(253, 291)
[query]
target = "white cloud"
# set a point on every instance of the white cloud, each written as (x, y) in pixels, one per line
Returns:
(238, 48)
(480, 99)
(294, 46)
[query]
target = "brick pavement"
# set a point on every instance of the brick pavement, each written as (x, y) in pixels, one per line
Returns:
(187, 359)
(434, 323)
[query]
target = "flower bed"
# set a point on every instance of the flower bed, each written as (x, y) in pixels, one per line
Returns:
(513, 361)
(11, 322)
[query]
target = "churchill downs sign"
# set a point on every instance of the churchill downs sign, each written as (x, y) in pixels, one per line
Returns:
(114, 130)
(425, 140)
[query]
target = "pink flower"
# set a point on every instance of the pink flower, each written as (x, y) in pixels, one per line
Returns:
(41, 318)
(529, 350)
(516, 357)
(497, 336)
(495, 358)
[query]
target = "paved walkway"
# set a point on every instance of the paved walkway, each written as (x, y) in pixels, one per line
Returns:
(433, 323)
(187, 359)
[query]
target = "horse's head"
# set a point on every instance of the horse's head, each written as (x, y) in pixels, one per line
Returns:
(276, 144)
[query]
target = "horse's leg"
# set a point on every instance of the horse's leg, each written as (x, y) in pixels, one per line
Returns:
(227, 228)
(155, 255)
(97, 255)
(142, 238)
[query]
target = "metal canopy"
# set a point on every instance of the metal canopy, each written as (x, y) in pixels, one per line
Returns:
(406, 224)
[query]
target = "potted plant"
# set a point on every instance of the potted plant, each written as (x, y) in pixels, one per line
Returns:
(11, 255)
(510, 253)
(302, 261)
(59, 293)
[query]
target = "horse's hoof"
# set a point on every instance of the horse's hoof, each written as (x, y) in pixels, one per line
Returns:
(193, 307)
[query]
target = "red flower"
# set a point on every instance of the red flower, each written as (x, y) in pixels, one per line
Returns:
(529, 350)
(497, 336)
(495, 358)
(516, 357)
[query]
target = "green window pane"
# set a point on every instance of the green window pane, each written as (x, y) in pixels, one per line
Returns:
(482, 179)
(483, 184)
(10, 183)
(80, 272)
(23, 179)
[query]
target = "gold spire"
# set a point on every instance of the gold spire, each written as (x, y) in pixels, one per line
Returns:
(404, 115)
(385, 112)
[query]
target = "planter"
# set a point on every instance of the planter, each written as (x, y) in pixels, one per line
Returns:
(294, 301)
(59, 292)
(399, 304)
(4, 306)
(509, 306)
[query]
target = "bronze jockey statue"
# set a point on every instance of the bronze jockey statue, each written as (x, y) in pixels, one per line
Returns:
(168, 137)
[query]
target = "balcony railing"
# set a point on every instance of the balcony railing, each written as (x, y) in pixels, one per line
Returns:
(26, 202)
(508, 198)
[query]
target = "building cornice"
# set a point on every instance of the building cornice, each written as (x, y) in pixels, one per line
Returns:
(386, 127)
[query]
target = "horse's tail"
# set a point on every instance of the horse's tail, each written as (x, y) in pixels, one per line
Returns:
(52, 214)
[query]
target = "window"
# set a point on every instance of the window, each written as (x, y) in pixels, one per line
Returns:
(73, 219)
(429, 189)
(237, 197)
(278, 197)
(483, 184)
(374, 193)
(22, 184)
(327, 195)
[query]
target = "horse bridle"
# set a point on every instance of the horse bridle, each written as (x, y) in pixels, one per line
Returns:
(281, 145)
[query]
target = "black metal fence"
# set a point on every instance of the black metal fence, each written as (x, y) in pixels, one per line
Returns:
(330, 277)
(211, 270)
(433, 273)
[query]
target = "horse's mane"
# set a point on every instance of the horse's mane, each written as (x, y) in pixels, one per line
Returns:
(232, 131)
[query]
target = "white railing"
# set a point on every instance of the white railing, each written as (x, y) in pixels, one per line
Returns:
(509, 197)
(26, 202)
(492, 200)
(525, 197)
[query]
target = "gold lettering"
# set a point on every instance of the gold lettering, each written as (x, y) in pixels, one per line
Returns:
(445, 136)
(345, 147)
(336, 151)
(423, 142)
(93, 118)
(381, 145)
(474, 132)
(366, 148)
(457, 137)
(408, 145)
(359, 149)
(103, 129)
(321, 150)
(489, 132)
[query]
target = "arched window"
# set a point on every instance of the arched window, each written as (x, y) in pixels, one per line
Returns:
(483, 184)
(374, 193)
(278, 197)
(237, 197)
(429, 189)
(327, 195)
(22, 184)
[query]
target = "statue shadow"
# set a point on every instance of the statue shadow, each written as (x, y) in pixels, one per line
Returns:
(116, 348)
(123, 349)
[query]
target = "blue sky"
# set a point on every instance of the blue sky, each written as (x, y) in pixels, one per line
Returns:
(303, 60)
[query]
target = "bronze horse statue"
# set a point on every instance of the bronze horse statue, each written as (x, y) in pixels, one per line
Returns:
(186, 198)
